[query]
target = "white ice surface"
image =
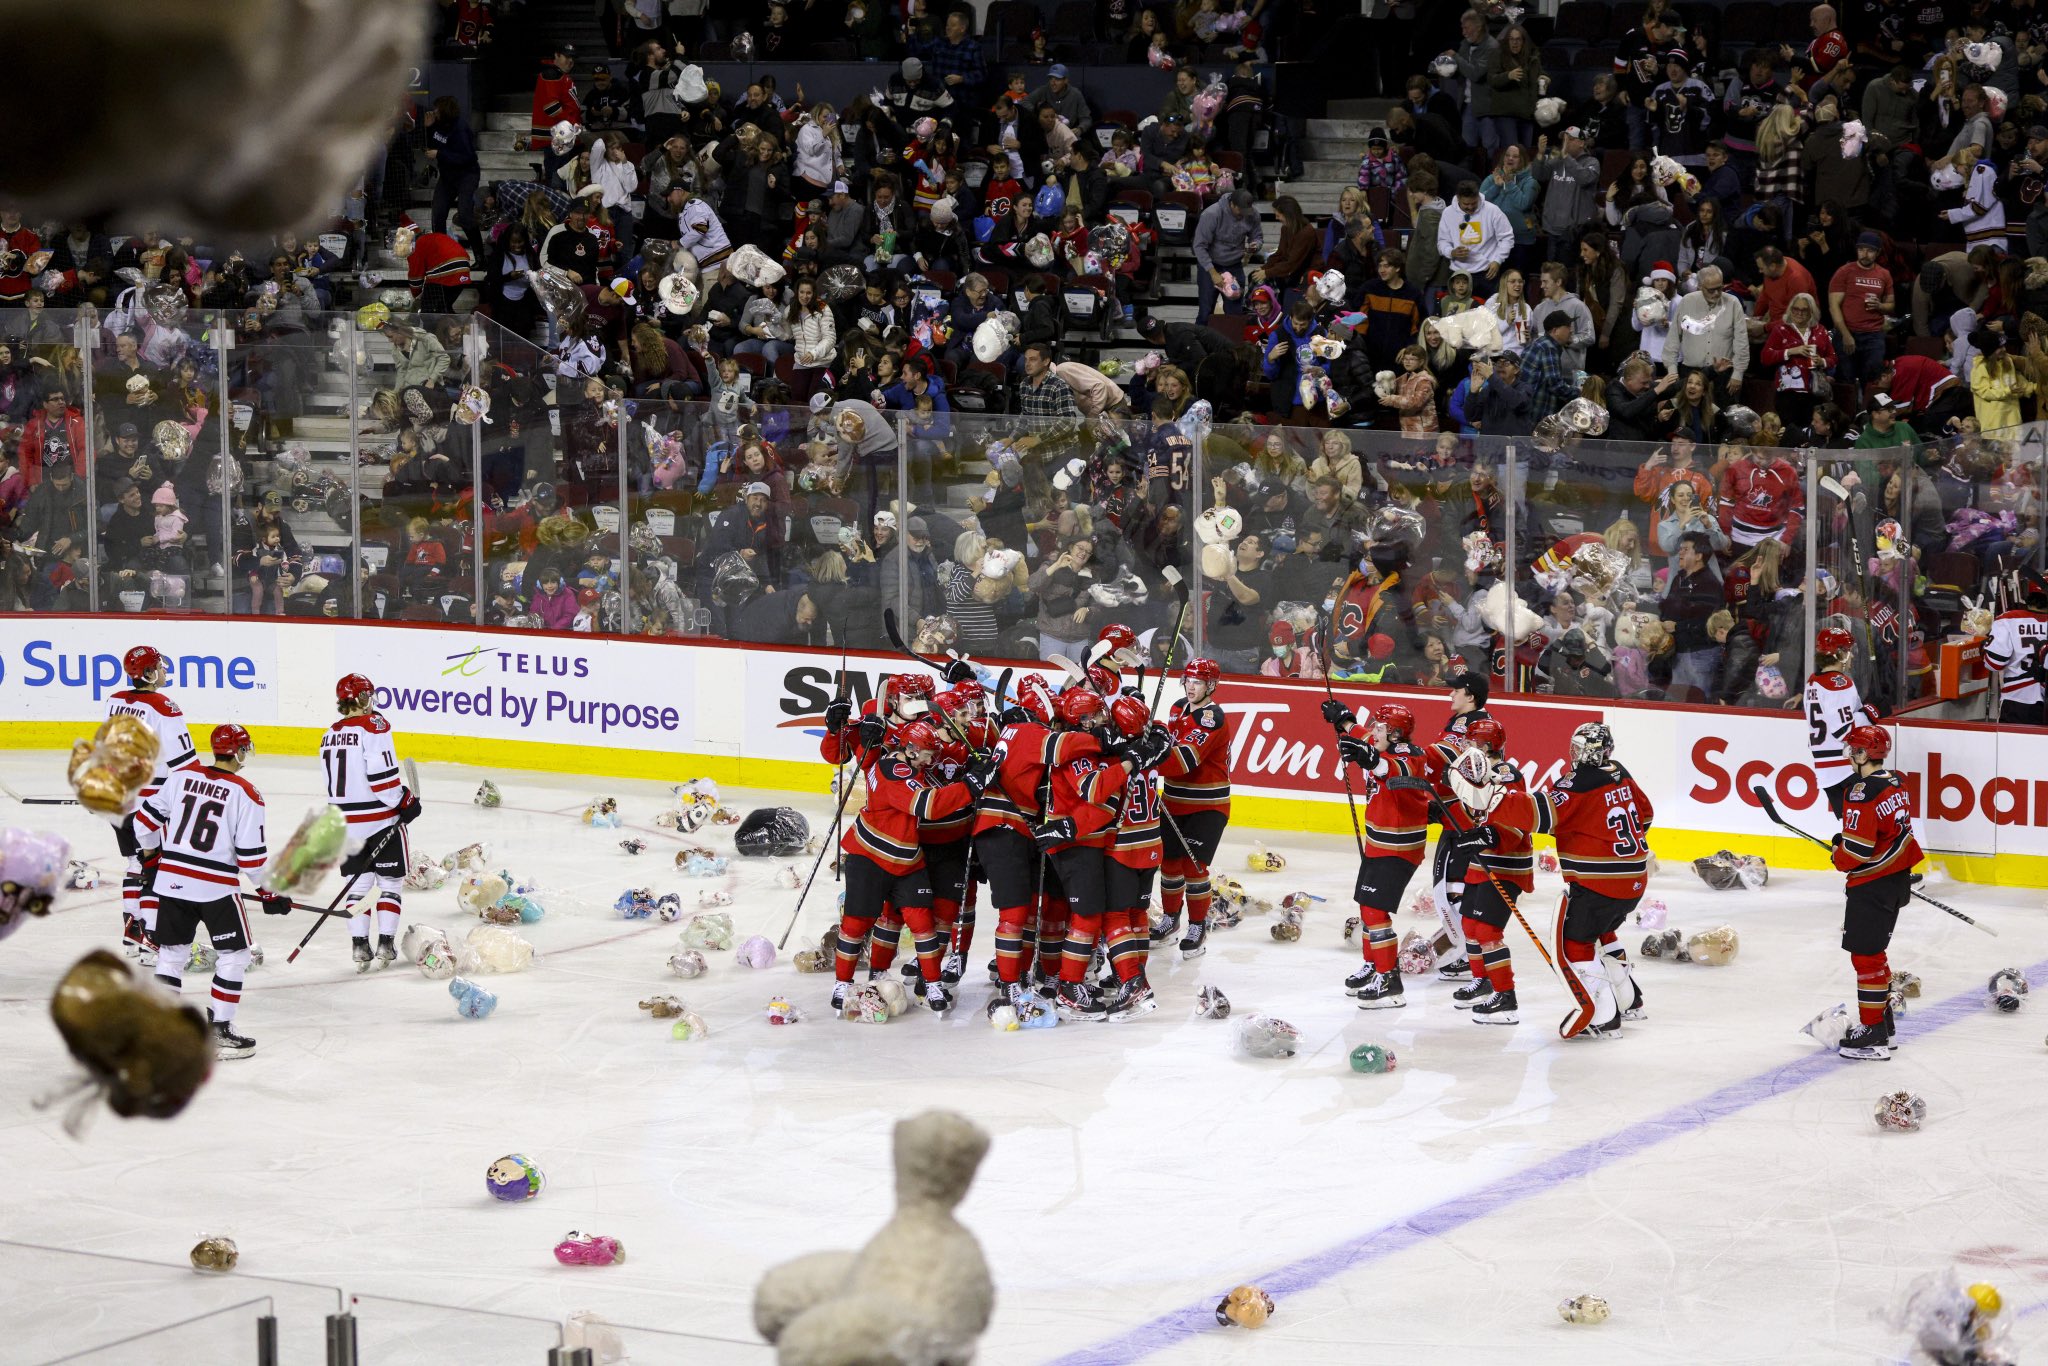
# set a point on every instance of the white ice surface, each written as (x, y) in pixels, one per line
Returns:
(1138, 1169)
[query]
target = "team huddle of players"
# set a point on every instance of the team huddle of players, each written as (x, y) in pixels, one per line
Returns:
(1067, 804)
(198, 830)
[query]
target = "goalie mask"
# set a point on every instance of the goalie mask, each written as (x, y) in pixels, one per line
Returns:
(772, 832)
(1592, 743)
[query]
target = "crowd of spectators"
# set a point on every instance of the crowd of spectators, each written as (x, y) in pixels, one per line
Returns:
(756, 305)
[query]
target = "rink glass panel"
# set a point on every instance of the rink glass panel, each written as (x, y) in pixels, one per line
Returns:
(391, 508)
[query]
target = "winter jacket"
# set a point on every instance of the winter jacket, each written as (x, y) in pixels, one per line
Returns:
(1571, 194)
(1795, 374)
(815, 337)
(1516, 197)
(1514, 97)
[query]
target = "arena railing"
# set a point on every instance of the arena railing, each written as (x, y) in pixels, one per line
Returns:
(360, 439)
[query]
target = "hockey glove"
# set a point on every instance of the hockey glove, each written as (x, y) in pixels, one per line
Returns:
(979, 774)
(837, 715)
(149, 861)
(1479, 837)
(1353, 750)
(1014, 716)
(1339, 715)
(1053, 834)
(274, 904)
(959, 671)
(361, 861)
(873, 730)
(408, 809)
(124, 837)
(1147, 749)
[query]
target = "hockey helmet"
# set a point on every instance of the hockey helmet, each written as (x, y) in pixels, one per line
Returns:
(354, 688)
(1487, 733)
(1832, 640)
(1396, 718)
(230, 739)
(1207, 672)
(911, 736)
(1131, 715)
(772, 832)
(902, 687)
(140, 662)
(1592, 743)
(1104, 678)
(1123, 645)
(1080, 706)
(1872, 740)
(1034, 695)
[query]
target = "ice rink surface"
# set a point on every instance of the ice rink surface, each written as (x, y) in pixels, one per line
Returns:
(1713, 1174)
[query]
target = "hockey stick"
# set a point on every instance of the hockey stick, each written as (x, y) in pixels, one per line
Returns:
(1501, 889)
(412, 783)
(1777, 818)
(829, 846)
(327, 910)
(38, 801)
(1343, 769)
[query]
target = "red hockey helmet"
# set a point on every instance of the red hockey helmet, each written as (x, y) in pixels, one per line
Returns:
(967, 690)
(1105, 679)
(952, 705)
(902, 686)
(354, 688)
(1079, 706)
(141, 661)
(229, 738)
(1487, 732)
(1204, 671)
(1123, 644)
(1396, 718)
(1035, 695)
(1833, 640)
(914, 735)
(1131, 715)
(1872, 740)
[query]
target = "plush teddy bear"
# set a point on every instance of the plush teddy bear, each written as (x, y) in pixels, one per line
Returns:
(919, 1293)
(1494, 608)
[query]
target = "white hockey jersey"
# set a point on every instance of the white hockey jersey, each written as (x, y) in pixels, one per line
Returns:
(161, 715)
(2014, 649)
(209, 825)
(1832, 710)
(361, 767)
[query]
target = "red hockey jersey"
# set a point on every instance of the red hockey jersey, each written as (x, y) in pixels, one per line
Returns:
(437, 259)
(1877, 829)
(1513, 858)
(1138, 844)
(900, 801)
(1024, 752)
(1197, 768)
(1396, 802)
(1759, 502)
(1086, 791)
(1600, 819)
(846, 745)
(554, 99)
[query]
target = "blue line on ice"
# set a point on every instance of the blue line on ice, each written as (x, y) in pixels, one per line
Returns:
(1306, 1273)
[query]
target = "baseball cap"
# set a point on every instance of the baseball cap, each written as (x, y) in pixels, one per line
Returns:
(886, 518)
(756, 487)
(839, 187)
(1887, 401)
(1870, 239)
(2038, 133)
(127, 429)
(1575, 132)
(1058, 71)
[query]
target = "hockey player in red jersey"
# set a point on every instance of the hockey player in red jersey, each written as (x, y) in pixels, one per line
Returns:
(361, 768)
(1878, 851)
(1014, 802)
(963, 737)
(904, 697)
(1197, 774)
(1600, 819)
(204, 832)
(1761, 499)
(885, 865)
(1506, 863)
(1133, 859)
(1833, 709)
(1396, 831)
(144, 700)
(1468, 694)
(1081, 834)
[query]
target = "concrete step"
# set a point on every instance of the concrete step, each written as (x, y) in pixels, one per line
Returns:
(1335, 149)
(1331, 169)
(1344, 128)
(1375, 107)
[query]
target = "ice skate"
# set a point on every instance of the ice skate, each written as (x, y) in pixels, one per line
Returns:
(1382, 993)
(1891, 1027)
(227, 1043)
(937, 997)
(360, 951)
(1471, 994)
(145, 949)
(954, 968)
(387, 952)
(995, 977)
(1866, 1043)
(1133, 998)
(1635, 1009)
(1360, 980)
(1163, 926)
(1193, 945)
(1497, 1009)
(1458, 971)
(1077, 1001)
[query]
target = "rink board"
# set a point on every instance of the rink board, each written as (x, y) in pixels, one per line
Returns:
(628, 707)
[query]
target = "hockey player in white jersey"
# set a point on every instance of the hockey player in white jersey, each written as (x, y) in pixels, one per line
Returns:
(2019, 636)
(202, 832)
(361, 767)
(144, 700)
(1833, 709)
